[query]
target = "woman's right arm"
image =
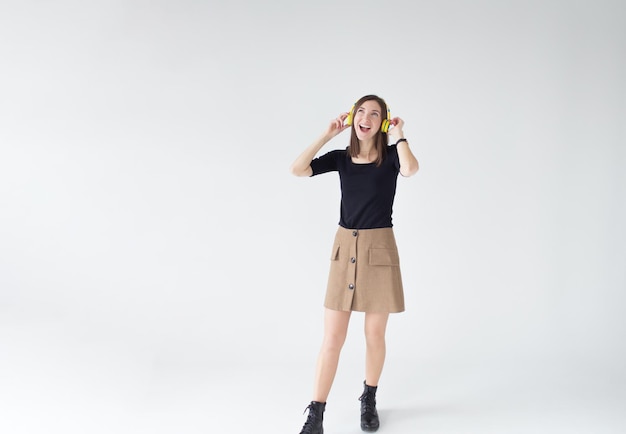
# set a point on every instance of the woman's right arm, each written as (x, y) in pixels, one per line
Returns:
(302, 165)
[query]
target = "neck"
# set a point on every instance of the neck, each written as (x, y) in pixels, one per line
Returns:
(367, 151)
(366, 146)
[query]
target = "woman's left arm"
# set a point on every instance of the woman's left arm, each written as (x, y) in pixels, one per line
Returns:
(408, 163)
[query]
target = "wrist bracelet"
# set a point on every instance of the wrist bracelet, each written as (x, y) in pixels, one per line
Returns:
(402, 140)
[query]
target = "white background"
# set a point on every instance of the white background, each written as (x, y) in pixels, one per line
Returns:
(162, 272)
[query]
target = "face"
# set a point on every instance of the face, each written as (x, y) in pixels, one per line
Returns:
(367, 120)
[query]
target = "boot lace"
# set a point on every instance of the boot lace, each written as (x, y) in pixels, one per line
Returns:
(309, 425)
(368, 402)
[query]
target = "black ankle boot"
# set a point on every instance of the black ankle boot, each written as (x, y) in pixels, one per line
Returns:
(369, 415)
(313, 424)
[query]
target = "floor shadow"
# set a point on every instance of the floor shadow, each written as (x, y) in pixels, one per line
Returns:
(415, 412)
(400, 420)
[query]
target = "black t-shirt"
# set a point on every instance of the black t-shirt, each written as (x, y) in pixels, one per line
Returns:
(367, 191)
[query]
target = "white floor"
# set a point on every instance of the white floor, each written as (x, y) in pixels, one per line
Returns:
(49, 386)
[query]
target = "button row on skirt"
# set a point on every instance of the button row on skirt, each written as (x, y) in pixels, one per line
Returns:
(353, 259)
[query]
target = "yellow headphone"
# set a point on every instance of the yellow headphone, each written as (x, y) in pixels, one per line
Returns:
(384, 127)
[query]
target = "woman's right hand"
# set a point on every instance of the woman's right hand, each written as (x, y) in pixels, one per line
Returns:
(337, 125)
(302, 165)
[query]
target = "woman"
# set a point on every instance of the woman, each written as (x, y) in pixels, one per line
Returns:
(364, 272)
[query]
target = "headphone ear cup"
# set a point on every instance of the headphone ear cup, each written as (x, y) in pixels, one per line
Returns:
(350, 117)
(384, 127)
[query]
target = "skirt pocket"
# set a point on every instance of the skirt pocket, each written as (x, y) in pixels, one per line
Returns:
(335, 253)
(388, 257)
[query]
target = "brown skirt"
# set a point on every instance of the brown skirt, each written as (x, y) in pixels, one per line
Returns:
(365, 272)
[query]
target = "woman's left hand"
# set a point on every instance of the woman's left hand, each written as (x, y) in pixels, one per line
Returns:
(395, 129)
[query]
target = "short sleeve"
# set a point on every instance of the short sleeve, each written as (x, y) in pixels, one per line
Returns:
(327, 162)
(392, 152)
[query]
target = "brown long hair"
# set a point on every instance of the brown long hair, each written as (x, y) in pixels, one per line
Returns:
(381, 139)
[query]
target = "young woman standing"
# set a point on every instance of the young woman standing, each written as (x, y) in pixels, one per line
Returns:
(365, 271)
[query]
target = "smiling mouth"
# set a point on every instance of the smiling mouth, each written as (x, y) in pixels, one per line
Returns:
(364, 128)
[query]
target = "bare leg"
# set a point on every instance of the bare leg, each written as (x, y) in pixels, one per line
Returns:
(335, 330)
(375, 327)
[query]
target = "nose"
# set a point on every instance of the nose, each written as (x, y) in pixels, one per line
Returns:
(364, 118)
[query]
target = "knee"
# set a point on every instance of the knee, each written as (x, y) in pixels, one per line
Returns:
(333, 342)
(375, 338)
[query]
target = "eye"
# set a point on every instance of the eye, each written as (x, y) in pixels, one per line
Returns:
(375, 114)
